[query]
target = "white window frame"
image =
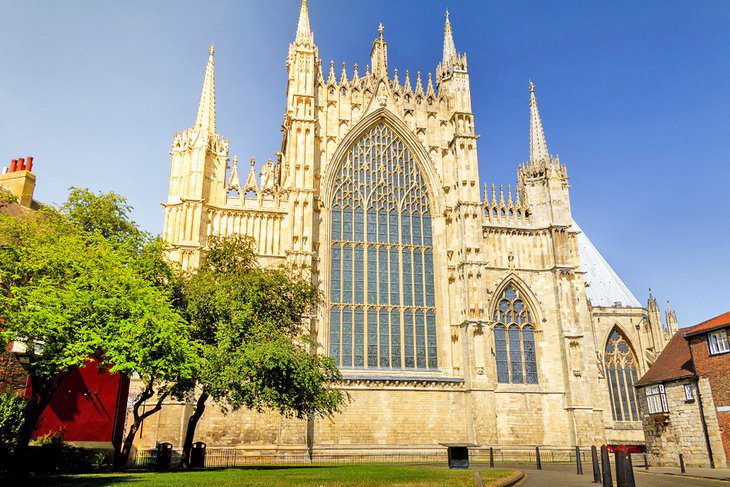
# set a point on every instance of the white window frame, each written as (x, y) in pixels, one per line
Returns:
(689, 393)
(656, 399)
(718, 342)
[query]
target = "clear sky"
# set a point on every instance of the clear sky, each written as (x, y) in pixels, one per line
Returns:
(633, 97)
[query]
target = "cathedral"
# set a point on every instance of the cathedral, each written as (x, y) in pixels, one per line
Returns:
(458, 313)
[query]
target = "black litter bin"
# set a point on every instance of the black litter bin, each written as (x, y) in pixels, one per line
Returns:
(164, 456)
(458, 457)
(197, 455)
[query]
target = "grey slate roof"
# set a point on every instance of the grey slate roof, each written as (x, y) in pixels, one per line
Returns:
(605, 288)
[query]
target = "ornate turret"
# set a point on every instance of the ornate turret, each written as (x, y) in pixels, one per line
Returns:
(292, 176)
(551, 201)
(379, 55)
(451, 61)
(541, 163)
(671, 318)
(197, 176)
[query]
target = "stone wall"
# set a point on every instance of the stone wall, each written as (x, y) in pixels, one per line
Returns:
(680, 431)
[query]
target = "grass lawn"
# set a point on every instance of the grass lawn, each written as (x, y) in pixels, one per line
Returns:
(314, 475)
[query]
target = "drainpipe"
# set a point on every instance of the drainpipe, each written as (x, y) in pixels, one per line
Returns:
(702, 409)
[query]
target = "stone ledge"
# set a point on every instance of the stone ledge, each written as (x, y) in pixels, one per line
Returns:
(400, 381)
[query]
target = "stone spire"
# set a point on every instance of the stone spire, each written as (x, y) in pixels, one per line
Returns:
(206, 108)
(251, 185)
(233, 181)
(538, 144)
(304, 33)
(379, 55)
(449, 46)
(429, 90)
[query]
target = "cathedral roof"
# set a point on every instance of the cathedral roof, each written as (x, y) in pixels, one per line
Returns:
(604, 287)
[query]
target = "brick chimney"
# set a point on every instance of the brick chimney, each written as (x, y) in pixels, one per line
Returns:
(20, 180)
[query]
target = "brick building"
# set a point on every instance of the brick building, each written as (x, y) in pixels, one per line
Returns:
(684, 397)
(709, 350)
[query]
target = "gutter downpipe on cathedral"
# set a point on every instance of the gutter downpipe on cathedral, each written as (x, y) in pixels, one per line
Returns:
(702, 409)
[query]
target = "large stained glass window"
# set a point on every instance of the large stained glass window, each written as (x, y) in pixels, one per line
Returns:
(514, 340)
(621, 374)
(382, 311)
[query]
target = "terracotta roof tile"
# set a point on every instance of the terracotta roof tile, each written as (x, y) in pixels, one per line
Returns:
(673, 363)
(721, 321)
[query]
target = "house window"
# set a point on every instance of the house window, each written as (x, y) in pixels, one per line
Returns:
(621, 374)
(718, 342)
(514, 340)
(689, 393)
(382, 294)
(656, 399)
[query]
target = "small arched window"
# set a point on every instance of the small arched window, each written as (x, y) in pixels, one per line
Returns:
(514, 340)
(621, 368)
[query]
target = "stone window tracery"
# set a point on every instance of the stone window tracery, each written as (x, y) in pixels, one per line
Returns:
(514, 340)
(382, 311)
(621, 369)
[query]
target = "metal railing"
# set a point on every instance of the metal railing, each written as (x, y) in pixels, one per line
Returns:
(235, 457)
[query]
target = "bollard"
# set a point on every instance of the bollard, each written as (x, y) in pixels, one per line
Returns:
(596, 467)
(681, 463)
(164, 456)
(629, 466)
(618, 456)
(578, 463)
(606, 467)
(537, 458)
(197, 455)
(491, 457)
(646, 462)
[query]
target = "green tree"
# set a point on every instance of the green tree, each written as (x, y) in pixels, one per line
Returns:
(85, 282)
(257, 350)
(11, 415)
(164, 357)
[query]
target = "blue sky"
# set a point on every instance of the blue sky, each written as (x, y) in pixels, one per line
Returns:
(633, 97)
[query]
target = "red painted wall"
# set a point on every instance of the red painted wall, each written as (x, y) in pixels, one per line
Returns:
(89, 405)
(716, 368)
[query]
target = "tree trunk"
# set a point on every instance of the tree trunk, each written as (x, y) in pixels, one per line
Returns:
(123, 457)
(192, 424)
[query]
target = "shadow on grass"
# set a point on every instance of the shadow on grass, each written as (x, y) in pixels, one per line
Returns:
(90, 480)
(133, 475)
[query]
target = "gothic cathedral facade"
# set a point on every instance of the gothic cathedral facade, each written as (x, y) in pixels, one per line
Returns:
(456, 315)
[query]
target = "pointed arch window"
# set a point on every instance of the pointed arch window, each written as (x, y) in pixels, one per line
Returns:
(514, 339)
(382, 259)
(621, 368)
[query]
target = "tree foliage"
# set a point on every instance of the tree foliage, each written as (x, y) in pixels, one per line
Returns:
(253, 325)
(85, 282)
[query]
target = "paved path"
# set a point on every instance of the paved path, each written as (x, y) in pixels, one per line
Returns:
(564, 475)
